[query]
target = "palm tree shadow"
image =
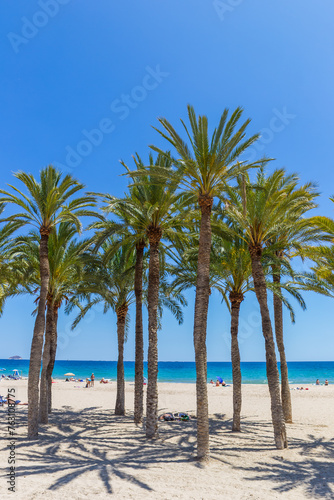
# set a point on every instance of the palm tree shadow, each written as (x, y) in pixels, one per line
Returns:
(313, 466)
(314, 473)
(94, 440)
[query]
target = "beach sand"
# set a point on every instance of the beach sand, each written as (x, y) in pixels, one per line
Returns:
(87, 452)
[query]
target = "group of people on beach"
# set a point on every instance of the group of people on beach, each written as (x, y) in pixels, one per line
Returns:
(218, 383)
(90, 381)
(317, 382)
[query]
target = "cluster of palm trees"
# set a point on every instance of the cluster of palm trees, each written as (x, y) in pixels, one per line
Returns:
(196, 215)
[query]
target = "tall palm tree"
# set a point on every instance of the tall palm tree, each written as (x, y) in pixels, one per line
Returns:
(230, 274)
(163, 220)
(231, 262)
(66, 270)
(109, 278)
(293, 231)
(260, 216)
(130, 228)
(109, 281)
(203, 169)
(127, 229)
(160, 220)
(66, 264)
(48, 202)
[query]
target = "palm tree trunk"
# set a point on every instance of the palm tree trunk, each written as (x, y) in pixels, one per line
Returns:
(154, 235)
(120, 397)
(43, 402)
(200, 325)
(236, 299)
(272, 370)
(139, 355)
(37, 340)
(53, 350)
(278, 315)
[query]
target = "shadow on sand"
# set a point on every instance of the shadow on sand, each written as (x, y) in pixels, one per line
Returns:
(78, 442)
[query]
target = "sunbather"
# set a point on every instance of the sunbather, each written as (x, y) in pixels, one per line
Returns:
(167, 417)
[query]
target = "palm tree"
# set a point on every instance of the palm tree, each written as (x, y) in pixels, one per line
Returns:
(130, 228)
(126, 229)
(66, 263)
(27, 251)
(66, 269)
(230, 274)
(159, 220)
(109, 278)
(234, 267)
(203, 170)
(109, 281)
(232, 264)
(163, 208)
(134, 216)
(260, 216)
(47, 203)
(295, 232)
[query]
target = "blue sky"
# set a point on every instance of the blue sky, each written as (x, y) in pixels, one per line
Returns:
(82, 83)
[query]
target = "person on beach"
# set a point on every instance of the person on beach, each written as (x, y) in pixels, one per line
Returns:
(217, 383)
(317, 382)
(92, 378)
(211, 381)
(88, 382)
(326, 382)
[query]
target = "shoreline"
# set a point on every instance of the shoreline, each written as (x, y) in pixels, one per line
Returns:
(292, 384)
(183, 372)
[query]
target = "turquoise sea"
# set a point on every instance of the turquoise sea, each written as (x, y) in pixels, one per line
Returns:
(252, 373)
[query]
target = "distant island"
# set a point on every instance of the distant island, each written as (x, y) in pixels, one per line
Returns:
(15, 357)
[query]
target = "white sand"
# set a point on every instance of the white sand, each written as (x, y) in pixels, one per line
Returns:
(87, 452)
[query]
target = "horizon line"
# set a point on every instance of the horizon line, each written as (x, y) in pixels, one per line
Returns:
(163, 361)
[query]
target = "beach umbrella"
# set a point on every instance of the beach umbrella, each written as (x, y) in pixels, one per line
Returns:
(69, 374)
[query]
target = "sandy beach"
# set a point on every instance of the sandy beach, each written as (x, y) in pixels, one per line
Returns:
(87, 452)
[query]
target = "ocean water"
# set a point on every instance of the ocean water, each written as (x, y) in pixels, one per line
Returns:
(252, 373)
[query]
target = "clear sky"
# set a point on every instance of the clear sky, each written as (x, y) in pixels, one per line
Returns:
(81, 84)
